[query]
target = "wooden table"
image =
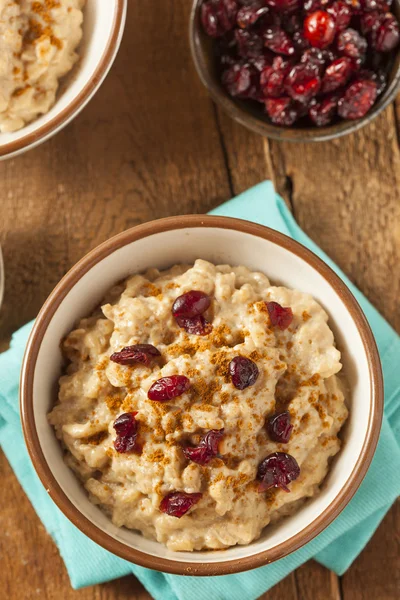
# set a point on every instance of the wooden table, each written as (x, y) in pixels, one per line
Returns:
(152, 144)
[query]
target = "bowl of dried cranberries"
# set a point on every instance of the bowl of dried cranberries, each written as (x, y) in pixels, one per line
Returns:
(299, 70)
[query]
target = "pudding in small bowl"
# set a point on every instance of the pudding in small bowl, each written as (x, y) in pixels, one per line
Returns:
(54, 56)
(180, 413)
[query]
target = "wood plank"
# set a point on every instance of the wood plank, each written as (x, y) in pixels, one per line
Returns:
(31, 566)
(247, 154)
(376, 571)
(127, 588)
(315, 582)
(284, 589)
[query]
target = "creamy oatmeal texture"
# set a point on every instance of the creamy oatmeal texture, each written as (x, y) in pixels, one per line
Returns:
(297, 372)
(38, 41)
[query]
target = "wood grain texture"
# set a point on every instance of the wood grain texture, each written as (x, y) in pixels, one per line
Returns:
(345, 195)
(376, 572)
(152, 144)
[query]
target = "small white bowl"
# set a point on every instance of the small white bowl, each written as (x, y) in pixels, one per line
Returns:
(103, 27)
(220, 240)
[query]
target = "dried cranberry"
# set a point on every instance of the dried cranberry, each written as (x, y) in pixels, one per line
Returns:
(370, 21)
(313, 5)
(299, 41)
(281, 110)
(194, 325)
(379, 78)
(351, 43)
(277, 470)
(337, 74)
(191, 304)
(303, 82)
(341, 13)
(254, 91)
(177, 504)
(188, 311)
(283, 5)
(126, 428)
(357, 100)
(381, 5)
(209, 20)
(218, 16)
(262, 61)
(227, 11)
(320, 29)
(271, 86)
(248, 15)
(280, 316)
(323, 112)
(385, 37)
(272, 77)
(280, 63)
(278, 40)
(168, 388)
(249, 43)
(139, 353)
(243, 371)
(206, 449)
(237, 79)
(279, 427)
(317, 57)
(124, 423)
(265, 74)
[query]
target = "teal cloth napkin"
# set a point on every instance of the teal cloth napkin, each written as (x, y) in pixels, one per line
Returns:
(336, 547)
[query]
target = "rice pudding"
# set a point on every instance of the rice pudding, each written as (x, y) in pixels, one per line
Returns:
(200, 404)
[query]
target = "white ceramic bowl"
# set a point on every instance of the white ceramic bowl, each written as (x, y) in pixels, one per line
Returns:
(219, 240)
(103, 26)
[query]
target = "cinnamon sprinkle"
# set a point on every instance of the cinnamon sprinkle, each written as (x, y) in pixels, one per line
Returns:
(113, 402)
(312, 381)
(150, 290)
(221, 361)
(158, 457)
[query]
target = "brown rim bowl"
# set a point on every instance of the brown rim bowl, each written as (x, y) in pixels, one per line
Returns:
(103, 27)
(253, 117)
(161, 244)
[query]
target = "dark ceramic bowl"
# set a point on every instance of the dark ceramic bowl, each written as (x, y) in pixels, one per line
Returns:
(253, 117)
